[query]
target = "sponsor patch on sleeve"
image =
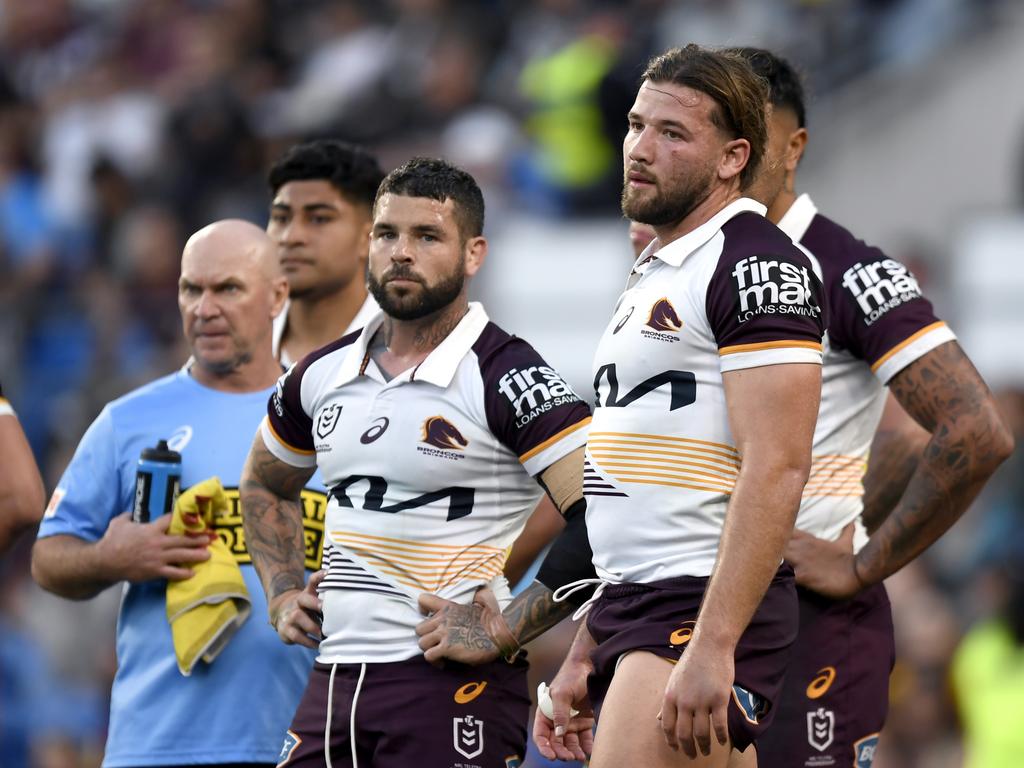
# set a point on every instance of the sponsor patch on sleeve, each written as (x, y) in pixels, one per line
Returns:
(766, 285)
(879, 287)
(533, 391)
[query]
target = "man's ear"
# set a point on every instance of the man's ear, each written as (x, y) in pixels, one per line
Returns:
(795, 148)
(475, 253)
(279, 295)
(735, 156)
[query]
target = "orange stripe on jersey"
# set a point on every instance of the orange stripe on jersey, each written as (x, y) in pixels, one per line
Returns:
(644, 447)
(469, 562)
(284, 442)
(634, 476)
(689, 486)
(708, 462)
(416, 545)
(761, 346)
(691, 467)
(553, 439)
(906, 342)
(731, 451)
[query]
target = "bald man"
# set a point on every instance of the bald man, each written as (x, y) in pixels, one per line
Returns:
(233, 709)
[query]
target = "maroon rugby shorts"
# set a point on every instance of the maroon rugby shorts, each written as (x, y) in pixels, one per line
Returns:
(836, 694)
(658, 617)
(411, 713)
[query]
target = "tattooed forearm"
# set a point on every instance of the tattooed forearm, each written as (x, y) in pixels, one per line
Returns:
(534, 611)
(895, 455)
(272, 519)
(944, 393)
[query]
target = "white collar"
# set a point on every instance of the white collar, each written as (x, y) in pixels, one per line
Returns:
(675, 252)
(439, 366)
(798, 218)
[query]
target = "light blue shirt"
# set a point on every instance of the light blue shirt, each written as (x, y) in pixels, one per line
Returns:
(238, 708)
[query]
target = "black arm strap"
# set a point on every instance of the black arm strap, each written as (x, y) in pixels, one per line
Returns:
(570, 557)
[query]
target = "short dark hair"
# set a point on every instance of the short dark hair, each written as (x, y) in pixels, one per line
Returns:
(738, 93)
(785, 86)
(440, 180)
(350, 169)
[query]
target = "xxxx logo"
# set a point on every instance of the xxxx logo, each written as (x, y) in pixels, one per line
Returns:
(468, 692)
(682, 635)
(821, 683)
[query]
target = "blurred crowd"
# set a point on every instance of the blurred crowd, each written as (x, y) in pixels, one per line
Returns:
(127, 124)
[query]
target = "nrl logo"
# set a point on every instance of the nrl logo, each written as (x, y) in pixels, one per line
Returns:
(821, 726)
(468, 734)
(327, 420)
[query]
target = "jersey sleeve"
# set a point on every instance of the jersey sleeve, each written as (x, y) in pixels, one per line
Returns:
(89, 493)
(880, 314)
(766, 309)
(530, 408)
(287, 429)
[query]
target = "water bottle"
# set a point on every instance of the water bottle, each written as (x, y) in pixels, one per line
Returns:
(157, 482)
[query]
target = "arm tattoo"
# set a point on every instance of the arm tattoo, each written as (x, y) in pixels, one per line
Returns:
(944, 393)
(534, 611)
(894, 459)
(272, 519)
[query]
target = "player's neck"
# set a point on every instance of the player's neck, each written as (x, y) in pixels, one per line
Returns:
(782, 203)
(314, 322)
(408, 342)
(717, 199)
(252, 376)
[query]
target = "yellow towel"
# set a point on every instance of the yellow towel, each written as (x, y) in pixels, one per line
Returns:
(206, 610)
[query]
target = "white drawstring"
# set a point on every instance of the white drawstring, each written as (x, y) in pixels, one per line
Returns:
(564, 591)
(330, 712)
(352, 719)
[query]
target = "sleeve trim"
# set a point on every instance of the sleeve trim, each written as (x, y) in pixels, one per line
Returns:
(554, 439)
(5, 407)
(905, 343)
(759, 346)
(285, 443)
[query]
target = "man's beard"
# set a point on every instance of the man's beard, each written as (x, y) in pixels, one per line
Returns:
(667, 206)
(415, 305)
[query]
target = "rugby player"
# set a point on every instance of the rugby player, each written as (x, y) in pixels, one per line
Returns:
(320, 218)
(882, 333)
(431, 427)
(712, 353)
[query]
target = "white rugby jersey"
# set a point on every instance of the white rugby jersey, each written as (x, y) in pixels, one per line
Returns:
(363, 316)
(431, 474)
(879, 323)
(661, 462)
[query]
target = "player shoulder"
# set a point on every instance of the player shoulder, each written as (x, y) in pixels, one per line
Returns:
(329, 353)
(495, 343)
(504, 359)
(836, 248)
(750, 234)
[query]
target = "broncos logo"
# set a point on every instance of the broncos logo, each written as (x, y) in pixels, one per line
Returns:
(441, 433)
(664, 318)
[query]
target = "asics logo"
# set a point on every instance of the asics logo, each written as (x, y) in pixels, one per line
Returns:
(468, 692)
